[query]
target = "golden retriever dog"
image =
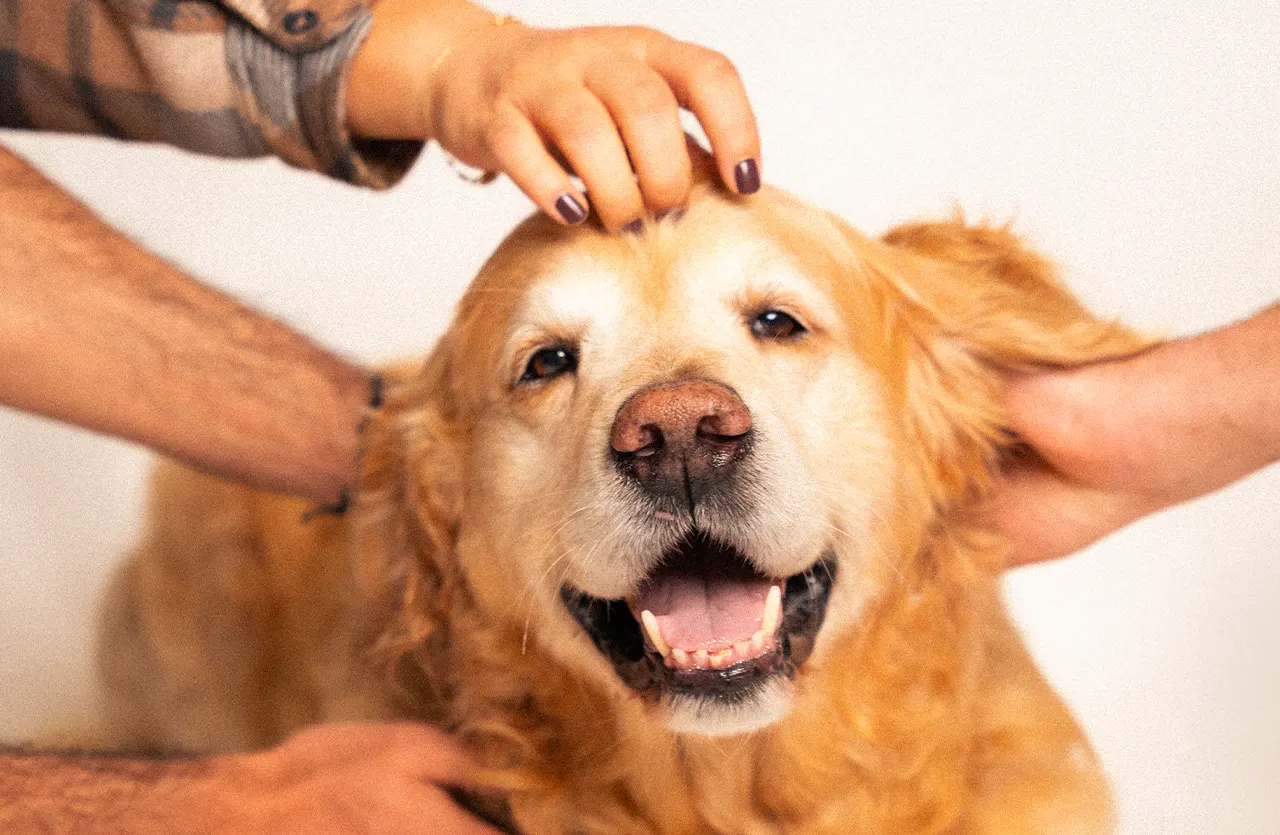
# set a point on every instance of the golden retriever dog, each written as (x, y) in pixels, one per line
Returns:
(680, 531)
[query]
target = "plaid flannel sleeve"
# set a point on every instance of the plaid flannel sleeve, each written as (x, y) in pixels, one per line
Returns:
(236, 78)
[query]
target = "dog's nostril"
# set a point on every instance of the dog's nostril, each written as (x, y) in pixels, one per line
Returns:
(637, 440)
(731, 426)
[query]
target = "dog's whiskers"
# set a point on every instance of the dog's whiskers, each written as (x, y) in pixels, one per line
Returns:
(527, 596)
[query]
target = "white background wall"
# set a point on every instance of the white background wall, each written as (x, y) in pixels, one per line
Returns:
(1137, 144)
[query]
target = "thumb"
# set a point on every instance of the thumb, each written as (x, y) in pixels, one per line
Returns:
(1044, 516)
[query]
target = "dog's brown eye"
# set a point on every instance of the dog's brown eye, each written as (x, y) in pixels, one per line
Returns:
(549, 362)
(774, 324)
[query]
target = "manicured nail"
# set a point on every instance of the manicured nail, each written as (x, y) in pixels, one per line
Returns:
(634, 226)
(674, 214)
(571, 210)
(746, 176)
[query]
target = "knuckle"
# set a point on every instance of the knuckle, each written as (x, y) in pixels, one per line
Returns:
(715, 68)
(645, 35)
(667, 190)
(579, 42)
(502, 135)
(650, 100)
(577, 122)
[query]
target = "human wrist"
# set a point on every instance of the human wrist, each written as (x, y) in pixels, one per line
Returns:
(243, 790)
(389, 86)
(1205, 410)
(362, 395)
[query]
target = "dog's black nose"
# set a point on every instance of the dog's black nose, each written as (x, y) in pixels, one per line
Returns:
(681, 438)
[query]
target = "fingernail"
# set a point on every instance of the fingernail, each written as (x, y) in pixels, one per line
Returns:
(674, 214)
(746, 176)
(634, 226)
(571, 210)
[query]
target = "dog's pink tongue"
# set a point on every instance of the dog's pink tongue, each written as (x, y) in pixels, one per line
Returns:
(696, 611)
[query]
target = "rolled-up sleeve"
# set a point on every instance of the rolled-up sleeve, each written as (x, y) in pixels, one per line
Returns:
(235, 78)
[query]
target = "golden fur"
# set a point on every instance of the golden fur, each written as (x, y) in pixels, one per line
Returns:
(235, 623)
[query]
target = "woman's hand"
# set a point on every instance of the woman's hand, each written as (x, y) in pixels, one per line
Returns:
(537, 104)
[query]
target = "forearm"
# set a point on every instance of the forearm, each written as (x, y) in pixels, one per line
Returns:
(42, 793)
(1215, 403)
(97, 332)
(1248, 356)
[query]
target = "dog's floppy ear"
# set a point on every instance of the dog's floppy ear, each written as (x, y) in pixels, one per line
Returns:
(404, 517)
(981, 288)
(973, 304)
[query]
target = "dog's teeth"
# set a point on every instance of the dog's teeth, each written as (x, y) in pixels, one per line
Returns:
(742, 648)
(722, 659)
(772, 611)
(700, 659)
(681, 658)
(757, 640)
(655, 634)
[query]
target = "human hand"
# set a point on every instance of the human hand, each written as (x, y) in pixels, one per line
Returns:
(352, 778)
(516, 99)
(1112, 442)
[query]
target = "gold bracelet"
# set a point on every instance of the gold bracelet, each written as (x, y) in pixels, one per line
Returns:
(467, 173)
(494, 21)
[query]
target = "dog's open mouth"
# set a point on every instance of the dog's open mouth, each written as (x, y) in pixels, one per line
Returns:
(705, 622)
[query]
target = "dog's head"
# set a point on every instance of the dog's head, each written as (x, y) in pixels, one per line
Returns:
(681, 462)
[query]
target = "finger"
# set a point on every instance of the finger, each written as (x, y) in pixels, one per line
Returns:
(648, 117)
(453, 819)
(429, 753)
(409, 747)
(707, 83)
(577, 123)
(524, 158)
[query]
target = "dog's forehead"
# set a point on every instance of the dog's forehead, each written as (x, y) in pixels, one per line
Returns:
(678, 276)
(575, 291)
(667, 274)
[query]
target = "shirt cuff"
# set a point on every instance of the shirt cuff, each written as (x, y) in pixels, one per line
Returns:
(295, 98)
(298, 25)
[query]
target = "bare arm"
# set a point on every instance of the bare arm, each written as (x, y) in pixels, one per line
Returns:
(97, 332)
(349, 779)
(1119, 440)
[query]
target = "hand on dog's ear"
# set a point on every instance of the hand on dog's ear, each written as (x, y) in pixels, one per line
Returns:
(982, 310)
(1091, 426)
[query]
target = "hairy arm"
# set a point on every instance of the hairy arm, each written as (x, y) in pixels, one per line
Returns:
(349, 779)
(1119, 440)
(42, 792)
(97, 332)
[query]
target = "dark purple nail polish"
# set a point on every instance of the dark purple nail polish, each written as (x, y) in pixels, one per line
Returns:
(571, 210)
(746, 176)
(674, 214)
(634, 226)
